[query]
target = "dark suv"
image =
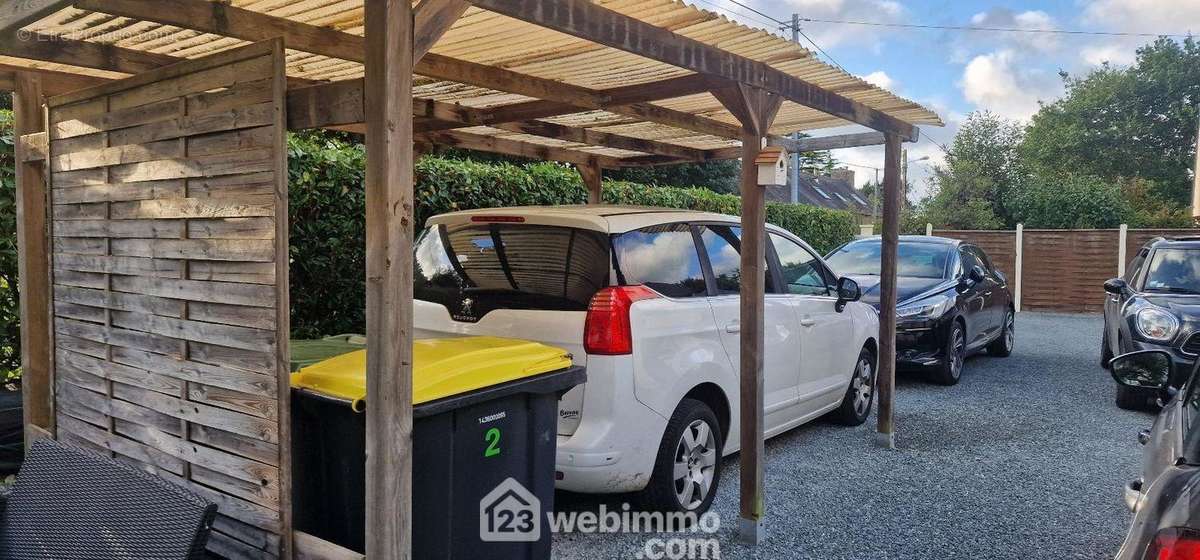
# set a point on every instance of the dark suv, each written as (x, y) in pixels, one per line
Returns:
(1155, 306)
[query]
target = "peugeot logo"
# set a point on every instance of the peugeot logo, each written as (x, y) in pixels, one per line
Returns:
(467, 303)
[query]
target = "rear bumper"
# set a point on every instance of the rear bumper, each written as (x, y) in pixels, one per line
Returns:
(616, 443)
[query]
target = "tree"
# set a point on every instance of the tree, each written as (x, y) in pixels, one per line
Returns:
(983, 170)
(1137, 122)
(1071, 202)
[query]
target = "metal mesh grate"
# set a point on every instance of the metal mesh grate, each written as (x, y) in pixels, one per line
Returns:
(1192, 345)
(68, 504)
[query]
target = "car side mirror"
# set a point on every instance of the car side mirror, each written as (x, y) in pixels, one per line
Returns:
(847, 291)
(1115, 286)
(1146, 369)
(977, 274)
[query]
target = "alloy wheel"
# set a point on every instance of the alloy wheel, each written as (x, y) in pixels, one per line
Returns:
(960, 350)
(695, 464)
(863, 386)
(1009, 331)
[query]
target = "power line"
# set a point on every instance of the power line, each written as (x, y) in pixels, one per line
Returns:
(992, 29)
(822, 51)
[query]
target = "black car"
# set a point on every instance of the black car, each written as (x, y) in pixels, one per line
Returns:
(951, 301)
(1155, 306)
(1166, 498)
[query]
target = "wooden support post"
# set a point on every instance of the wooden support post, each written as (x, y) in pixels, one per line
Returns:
(33, 262)
(389, 202)
(893, 193)
(755, 109)
(591, 179)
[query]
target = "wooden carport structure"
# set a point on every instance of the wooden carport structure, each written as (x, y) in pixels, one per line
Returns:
(152, 200)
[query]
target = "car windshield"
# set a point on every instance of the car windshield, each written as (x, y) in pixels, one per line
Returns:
(918, 260)
(478, 268)
(1173, 271)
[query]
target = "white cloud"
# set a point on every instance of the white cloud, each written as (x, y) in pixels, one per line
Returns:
(1120, 52)
(1144, 16)
(1006, 18)
(1002, 83)
(880, 78)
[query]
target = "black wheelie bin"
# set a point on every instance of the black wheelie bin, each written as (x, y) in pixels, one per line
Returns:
(484, 435)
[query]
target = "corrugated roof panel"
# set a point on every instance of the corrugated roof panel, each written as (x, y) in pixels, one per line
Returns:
(493, 39)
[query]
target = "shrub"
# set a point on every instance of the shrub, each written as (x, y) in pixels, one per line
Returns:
(328, 266)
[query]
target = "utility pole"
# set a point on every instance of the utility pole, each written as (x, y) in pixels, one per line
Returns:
(795, 176)
(875, 197)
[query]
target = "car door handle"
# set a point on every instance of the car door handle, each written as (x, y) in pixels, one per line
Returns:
(733, 327)
(807, 322)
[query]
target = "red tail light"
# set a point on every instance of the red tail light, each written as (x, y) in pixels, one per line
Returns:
(606, 330)
(1174, 544)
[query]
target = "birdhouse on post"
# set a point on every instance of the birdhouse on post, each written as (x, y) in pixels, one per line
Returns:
(772, 166)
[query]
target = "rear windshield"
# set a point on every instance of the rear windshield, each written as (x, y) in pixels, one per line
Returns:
(1174, 271)
(477, 268)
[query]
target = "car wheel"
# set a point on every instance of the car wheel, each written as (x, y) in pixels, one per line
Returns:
(856, 404)
(1106, 353)
(950, 370)
(1131, 398)
(1003, 346)
(688, 467)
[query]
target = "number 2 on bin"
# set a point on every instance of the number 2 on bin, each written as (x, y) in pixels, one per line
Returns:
(492, 436)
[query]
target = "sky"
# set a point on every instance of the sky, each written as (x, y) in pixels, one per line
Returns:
(956, 72)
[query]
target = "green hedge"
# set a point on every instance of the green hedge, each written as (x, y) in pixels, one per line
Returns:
(327, 224)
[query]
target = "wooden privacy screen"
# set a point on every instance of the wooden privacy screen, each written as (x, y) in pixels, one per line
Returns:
(1063, 269)
(169, 231)
(1000, 246)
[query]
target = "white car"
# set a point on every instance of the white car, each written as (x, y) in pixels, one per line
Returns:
(647, 300)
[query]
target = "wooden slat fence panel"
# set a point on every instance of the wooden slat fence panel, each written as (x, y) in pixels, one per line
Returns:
(169, 209)
(1138, 237)
(1063, 270)
(1000, 246)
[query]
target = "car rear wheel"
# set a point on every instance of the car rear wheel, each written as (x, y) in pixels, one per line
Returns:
(950, 370)
(688, 467)
(1003, 346)
(856, 405)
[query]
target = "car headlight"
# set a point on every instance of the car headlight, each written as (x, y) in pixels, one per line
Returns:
(1157, 324)
(926, 308)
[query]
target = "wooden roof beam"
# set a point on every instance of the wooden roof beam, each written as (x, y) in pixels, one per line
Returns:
(518, 148)
(431, 20)
(592, 22)
(229, 21)
(85, 54)
(341, 103)
(53, 82)
(818, 144)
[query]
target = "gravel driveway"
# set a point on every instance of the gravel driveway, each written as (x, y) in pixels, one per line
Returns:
(1025, 458)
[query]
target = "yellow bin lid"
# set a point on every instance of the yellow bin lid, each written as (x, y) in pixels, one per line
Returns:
(442, 367)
